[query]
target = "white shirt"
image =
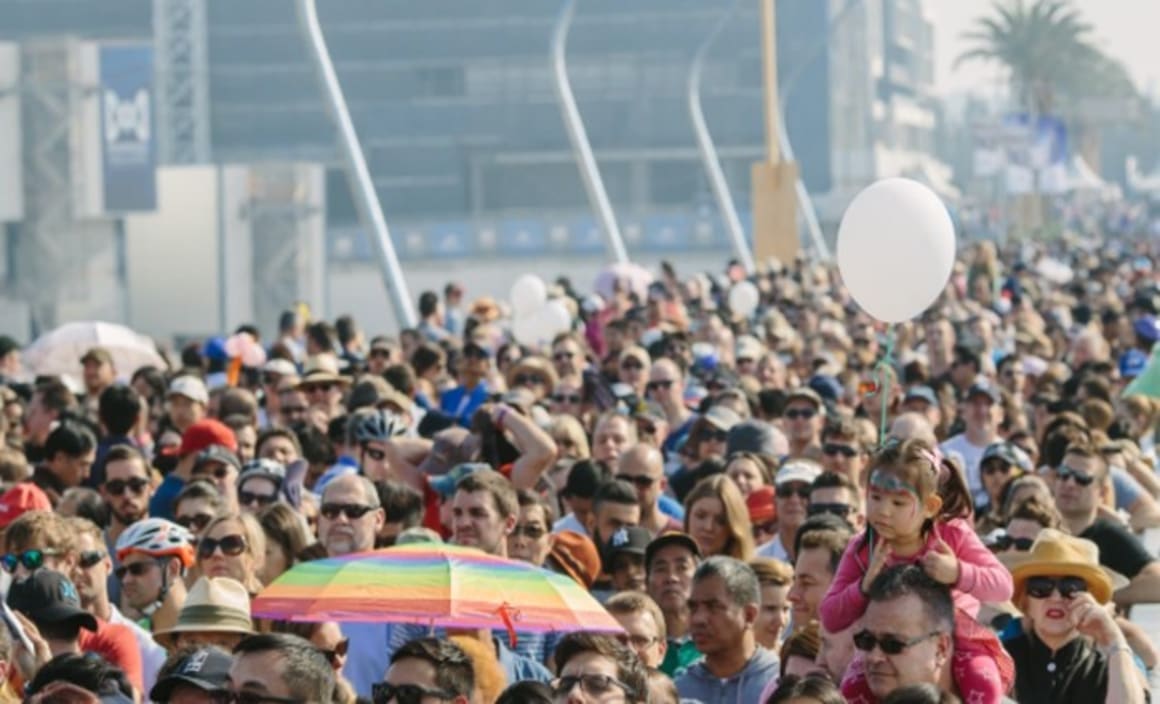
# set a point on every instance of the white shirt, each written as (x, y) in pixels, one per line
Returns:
(569, 522)
(152, 655)
(971, 455)
(775, 549)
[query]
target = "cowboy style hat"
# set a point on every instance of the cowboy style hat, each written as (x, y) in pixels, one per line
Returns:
(1055, 554)
(213, 605)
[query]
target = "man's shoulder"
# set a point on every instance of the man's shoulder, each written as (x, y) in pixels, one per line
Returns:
(1104, 529)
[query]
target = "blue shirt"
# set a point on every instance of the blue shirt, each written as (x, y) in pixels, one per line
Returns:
(461, 404)
(517, 667)
(161, 505)
(370, 650)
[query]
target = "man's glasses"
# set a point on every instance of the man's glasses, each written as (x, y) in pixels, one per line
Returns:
(1082, 478)
(665, 384)
(90, 558)
(834, 449)
(231, 546)
(116, 487)
(353, 512)
(249, 498)
(593, 685)
(639, 480)
(1042, 587)
(531, 531)
(567, 398)
(137, 569)
(31, 559)
(890, 644)
(253, 698)
(386, 693)
(1005, 542)
(195, 522)
(800, 413)
(786, 491)
(839, 510)
(338, 651)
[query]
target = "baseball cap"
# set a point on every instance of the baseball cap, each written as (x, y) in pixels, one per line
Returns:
(48, 597)
(97, 354)
(797, 471)
(760, 505)
(722, 417)
(1147, 327)
(921, 392)
(632, 540)
(263, 468)
(206, 668)
(219, 454)
(982, 387)
(748, 347)
(190, 387)
(1009, 453)
(21, 499)
(806, 393)
(826, 387)
(1132, 363)
(204, 433)
(444, 484)
(671, 538)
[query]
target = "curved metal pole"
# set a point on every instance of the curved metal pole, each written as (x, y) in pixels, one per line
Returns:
(578, 136)
(363, 188)
(708, 149)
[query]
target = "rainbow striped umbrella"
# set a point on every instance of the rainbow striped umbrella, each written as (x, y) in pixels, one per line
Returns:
(433, 585)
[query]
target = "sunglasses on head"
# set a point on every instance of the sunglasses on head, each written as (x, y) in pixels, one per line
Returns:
(1082, 478)
(137, 569)
(786, 491)
(476, 353)
(890, 644)
(231, 546)
(387, 693)
(839, 510)
(835, 448)
(1042, 587)
(249, 498)
(566, 398)
(31, 559)
(353, 512)
(800, 413)
(194, 522)
(116, 487)
(90, 558)
(640, 481)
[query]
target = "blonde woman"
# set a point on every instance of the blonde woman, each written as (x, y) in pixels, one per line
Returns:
(233, 545)
(716, 517)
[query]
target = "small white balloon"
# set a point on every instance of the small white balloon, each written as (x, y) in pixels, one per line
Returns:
(557, 317)
(525, 329)
(743, 298)
(528, 295)
(896, 249)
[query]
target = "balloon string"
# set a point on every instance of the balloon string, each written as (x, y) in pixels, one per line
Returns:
(883, 370)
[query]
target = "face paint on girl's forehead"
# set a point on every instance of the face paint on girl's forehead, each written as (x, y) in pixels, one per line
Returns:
(884, 481)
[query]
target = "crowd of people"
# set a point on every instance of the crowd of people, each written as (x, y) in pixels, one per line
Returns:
(799, 505)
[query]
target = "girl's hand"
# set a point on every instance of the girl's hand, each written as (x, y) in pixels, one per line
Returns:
(877, 563)
(941, 564)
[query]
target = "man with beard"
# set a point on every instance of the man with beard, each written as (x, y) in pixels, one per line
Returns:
(126, 491)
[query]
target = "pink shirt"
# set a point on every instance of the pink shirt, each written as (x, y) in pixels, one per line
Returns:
(981, 576)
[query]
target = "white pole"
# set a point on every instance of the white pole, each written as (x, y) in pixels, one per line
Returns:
(363, 188)
(581, 147)
(708, 150)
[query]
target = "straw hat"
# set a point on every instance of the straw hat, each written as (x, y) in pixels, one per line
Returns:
(213, 605)
(322, 369)
(1055, 554)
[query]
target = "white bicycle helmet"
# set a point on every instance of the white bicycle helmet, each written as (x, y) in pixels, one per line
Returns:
(157, 537)
(376, 426)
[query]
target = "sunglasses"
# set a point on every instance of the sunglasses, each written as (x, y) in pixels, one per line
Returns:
(562, 355)
(90, 558)
(476, 353)
(800, 413)
(786, 491)
(353, 512)
(645, 428)
(665, 384)
(249, 498)
(766, 528)
(528, 380)
(640, 481)
(1006, 542)
(137, 569)
(714, 435)
(632, 366)
(316, 388)
(31, 559)
(252, 698)
(380, 354)
(385, 693)
(993, 468)
(194, 522)
(890, 644)
(338, 651)
(531, 531)
(375, 454)
(566, 398)
(1081, 478)
(116, 487)
(593, 685)
(1042, 587)
(839, 510)
(219, 472)
(293, 411)
(834, 448)
(231, 546)
(636, 641)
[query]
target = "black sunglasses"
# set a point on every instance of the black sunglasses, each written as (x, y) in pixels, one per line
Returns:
(1006, 542)
(593, 685)
(890, 644)
(353, 512)
(659, 384)
(641, 481)
(195, 522)
(567, 398)
(385, 692)
(1081, 478)
(992, 467)
(314, 388)
(252, 698)
(338, 651)
(137, 569)
(528, 380)
(1042, 587)
(839, 510)
(231, 545)
(837, 448)
(116, 487)
(31, 559)
(249, 498)
(714, 435)
(219, 472)
(800, 413)
(89, 558)
(785, 491)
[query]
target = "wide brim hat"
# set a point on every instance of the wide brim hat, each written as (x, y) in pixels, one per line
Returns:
(322, 369)
(1055, 554)
(213, 605)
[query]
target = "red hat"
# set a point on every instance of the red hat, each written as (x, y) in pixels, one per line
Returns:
(21, 499)
(760, 505)
(204, 433)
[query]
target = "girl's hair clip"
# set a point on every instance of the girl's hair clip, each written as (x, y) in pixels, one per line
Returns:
(935, 457)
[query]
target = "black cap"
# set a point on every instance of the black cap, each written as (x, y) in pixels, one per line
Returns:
(671, 538)
(207, 668)
(633, 540)
(48, 597)
(219, 454)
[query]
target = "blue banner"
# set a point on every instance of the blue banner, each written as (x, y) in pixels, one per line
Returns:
(128, 137)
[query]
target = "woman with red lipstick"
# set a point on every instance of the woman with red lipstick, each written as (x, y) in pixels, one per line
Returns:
(1071, 649)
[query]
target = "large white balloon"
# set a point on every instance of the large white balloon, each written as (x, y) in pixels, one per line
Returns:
(557, 317)
(528, 295)
(743, 298)
(539, 326)
(896, 249)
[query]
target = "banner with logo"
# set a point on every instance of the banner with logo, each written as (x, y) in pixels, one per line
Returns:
(128, 136)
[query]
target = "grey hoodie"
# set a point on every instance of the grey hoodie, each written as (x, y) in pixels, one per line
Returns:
(743, 688)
